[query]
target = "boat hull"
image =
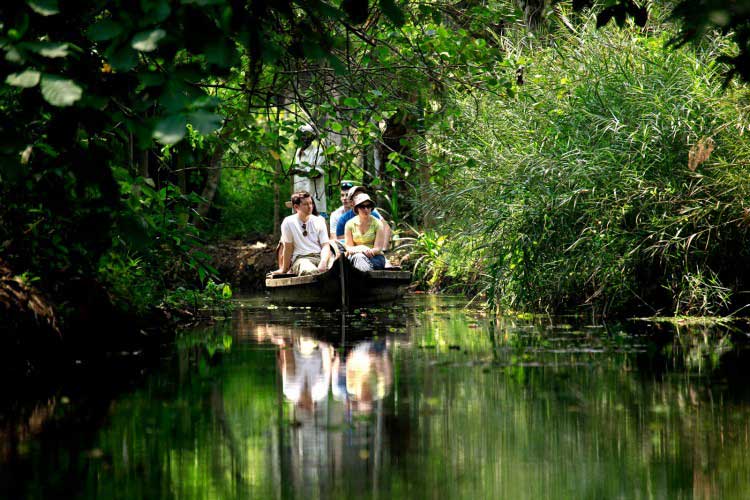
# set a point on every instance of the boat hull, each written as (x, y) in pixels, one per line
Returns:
(329, 289)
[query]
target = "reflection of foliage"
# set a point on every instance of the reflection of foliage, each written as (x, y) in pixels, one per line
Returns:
(213, 340)
(213, 298)
(699, 348)
(579, 400)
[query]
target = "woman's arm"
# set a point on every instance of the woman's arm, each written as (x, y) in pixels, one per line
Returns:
(379, 244)
(381, 237)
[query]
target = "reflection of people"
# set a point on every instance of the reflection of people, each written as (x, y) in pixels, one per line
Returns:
(305, 239)
(367, 375)
(308, 170)
(365, 236)
(306, 372)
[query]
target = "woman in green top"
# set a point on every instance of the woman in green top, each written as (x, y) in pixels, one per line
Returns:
(364, 235)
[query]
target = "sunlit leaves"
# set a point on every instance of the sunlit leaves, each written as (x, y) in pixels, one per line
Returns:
(26, 79)
(147, 41)
(170, 130)
(48, 49)
(60, 91)
(44, 7)
(351, 102)
(204, 121)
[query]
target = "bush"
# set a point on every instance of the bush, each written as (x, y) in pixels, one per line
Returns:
(245, 203)
(615, 177)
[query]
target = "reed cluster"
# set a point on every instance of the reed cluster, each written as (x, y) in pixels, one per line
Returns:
(614, 175)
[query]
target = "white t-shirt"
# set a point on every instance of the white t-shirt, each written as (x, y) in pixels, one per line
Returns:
(292, 232)
(309, 370)
(335, 216)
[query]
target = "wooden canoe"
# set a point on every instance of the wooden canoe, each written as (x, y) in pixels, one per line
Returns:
(341, 285)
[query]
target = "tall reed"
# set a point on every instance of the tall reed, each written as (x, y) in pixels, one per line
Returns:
(616, 177)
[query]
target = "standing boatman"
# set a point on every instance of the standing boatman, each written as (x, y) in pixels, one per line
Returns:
(309, 173)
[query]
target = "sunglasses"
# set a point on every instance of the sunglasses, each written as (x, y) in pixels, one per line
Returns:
(304, 229)
(366, 205)
(347, 185)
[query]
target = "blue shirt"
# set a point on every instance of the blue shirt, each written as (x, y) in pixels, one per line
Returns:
(349, 214)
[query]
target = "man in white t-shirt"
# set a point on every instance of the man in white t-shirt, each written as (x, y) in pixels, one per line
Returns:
(305, 239)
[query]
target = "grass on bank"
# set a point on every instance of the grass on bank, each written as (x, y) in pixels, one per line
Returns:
(615, 177)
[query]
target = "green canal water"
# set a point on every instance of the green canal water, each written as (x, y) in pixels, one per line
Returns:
(432, 399)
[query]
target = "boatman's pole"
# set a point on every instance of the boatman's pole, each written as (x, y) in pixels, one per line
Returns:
(343, 282)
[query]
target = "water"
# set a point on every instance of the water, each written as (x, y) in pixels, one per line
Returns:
(429, 400)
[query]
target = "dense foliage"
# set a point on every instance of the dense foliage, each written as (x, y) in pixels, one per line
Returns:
(615, 177)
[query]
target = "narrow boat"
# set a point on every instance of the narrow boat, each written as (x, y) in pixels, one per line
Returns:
(341, 285)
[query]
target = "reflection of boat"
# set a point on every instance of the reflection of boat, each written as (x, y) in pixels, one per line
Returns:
(342, 284)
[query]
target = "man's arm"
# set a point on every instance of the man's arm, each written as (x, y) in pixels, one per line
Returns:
(288, 251)
(325, 254)
(325, 250)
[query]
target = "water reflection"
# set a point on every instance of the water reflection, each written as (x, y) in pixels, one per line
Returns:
(334, 390)
(430, 400)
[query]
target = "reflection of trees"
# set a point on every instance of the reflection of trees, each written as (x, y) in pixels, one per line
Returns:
(569, 411)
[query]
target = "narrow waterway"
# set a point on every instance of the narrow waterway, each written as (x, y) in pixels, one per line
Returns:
(431, 399)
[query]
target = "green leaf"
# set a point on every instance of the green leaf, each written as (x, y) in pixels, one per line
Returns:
(55, 50)
(170, 130)
(336, 127)
(146, 41)
(151, 79)
(205, 122)
(351, 102)
(220, 53)
(392, 12)
(60, 91)
(26, 79)
(44, 7)
(123, 59)
(226, 292)
(106, 29)
(48, 49)
(12, 54)
(157, 11)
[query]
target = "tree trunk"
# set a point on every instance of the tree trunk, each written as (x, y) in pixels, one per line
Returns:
(277, 174)
(212, 183)
(377, 173)
(143, 164)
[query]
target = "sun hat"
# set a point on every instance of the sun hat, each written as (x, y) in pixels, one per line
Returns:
(354, 190)
(360, 198)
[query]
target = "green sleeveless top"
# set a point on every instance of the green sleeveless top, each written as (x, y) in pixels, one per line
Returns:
(368, 238)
